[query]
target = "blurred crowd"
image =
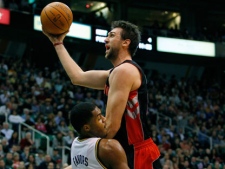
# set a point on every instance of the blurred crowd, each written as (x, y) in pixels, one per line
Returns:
(186, 117)
(42, 99)
(216, 35)
(190, 129)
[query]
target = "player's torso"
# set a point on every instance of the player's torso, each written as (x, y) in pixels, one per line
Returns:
(131, 130)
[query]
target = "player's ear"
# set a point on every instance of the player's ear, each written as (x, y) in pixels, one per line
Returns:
(126, 42)
(86, 128)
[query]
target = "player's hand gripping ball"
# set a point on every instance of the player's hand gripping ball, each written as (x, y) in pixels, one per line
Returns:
(56, 18)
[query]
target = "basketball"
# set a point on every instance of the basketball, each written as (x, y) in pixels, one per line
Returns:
(56, 18)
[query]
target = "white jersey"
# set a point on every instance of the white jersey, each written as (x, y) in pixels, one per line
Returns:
(84, 154)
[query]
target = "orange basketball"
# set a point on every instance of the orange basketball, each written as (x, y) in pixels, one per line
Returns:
(56, 18)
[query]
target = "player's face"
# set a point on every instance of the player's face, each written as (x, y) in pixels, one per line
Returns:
(113, 43)
(97, 124)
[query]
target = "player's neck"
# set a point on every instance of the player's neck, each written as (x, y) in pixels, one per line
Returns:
(83, 137)
(118, 61)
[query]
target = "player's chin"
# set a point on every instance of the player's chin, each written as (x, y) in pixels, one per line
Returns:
(104, 135)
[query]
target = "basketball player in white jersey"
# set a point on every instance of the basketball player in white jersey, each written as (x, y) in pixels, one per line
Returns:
(90, 150)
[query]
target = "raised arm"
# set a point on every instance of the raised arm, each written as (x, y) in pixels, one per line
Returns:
(112, 154)
(93, 79)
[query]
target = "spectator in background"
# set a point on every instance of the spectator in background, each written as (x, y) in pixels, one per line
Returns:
(51, 165)
(100, 103)
(15, 149)
(56, 157)
(217, 165)
(29, 121)
(47, 72)
(15, 120)
(12, 77)
(47, 84)
(63, 128)
(181, 134)
(193, 162)
(168, 164)
(35, 107)
(4, 97)
(39, 158)
(89, 97)
(58, 86)
(2, 153)
(61, 104)
(59, 117)
(165, 157)
(42, 95)
(25, 114)
(39, 78)
(6, 131)
(57, 141)
(14, 101)
(5, 145)
(206, 162)
(51, 127)
(40, 125)
(5, 110)
(67, 140)
(44, 164)
(46, 107)
(16, 160)
(27, 102)
(79, 95)
(21, 165)
(2, 162)
(3, 70)
(31, 163)
(14, 139)
(35, 91)
(25, 153)
(26, 141)
(8, 160)
(165, 143)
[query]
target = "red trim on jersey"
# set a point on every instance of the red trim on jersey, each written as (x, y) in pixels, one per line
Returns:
(106, 90)
(133, 121)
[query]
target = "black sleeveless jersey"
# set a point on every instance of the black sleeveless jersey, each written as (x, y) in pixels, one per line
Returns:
(134, 127)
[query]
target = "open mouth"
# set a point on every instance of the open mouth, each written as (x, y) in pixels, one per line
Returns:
(107, 47)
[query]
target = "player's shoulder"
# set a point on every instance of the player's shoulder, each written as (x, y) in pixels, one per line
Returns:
(109, 145)
(111, 153)
(127, 64)
(125, 68)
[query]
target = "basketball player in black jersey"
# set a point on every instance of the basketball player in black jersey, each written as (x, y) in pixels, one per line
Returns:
(126, 88)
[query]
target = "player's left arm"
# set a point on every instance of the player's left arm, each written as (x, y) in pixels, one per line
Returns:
(122, 81)
(112, 154)
(68, 167)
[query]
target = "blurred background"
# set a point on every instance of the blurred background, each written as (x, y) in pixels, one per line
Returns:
(182, 52)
